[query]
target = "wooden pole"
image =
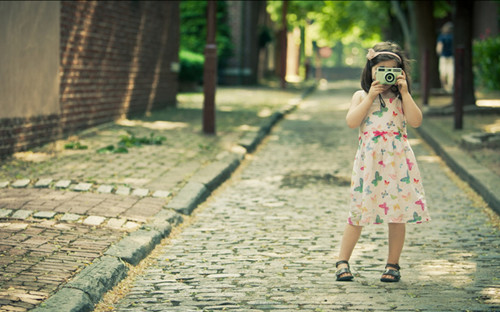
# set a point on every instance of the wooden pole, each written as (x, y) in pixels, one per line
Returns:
(425, 78)
(283, 44)
(210, 70)
(458, 95)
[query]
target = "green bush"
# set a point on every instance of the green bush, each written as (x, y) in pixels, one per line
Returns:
(486, 56)
(191, 66)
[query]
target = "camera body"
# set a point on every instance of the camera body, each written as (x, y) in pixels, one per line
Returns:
(387, 75)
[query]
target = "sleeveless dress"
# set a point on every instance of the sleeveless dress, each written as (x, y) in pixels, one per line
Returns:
(386, 185)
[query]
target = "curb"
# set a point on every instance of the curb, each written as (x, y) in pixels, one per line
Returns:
(480, 178)
(88, 287)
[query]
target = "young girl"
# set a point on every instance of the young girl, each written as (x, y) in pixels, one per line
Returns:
(386, 186)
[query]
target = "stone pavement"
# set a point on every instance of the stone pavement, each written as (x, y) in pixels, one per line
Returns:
(476, 161)
(61, 210)
(268, 239)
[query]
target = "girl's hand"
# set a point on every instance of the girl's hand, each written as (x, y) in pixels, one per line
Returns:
(402, 83)
(376, 88)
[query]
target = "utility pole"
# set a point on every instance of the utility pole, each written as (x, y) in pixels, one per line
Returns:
(458, 92)
(210, 70)
(283, 44)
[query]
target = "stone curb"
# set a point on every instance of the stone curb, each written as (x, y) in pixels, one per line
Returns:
(137, 245)
(217, 172)
(481, 179)
(88, 287)
(190, 196)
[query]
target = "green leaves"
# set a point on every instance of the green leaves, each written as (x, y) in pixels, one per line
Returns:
(487, 62)
(334, 21)
(130, 140)
(74, 145)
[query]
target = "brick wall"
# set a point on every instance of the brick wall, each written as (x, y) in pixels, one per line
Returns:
(115, 61)
(17, 134)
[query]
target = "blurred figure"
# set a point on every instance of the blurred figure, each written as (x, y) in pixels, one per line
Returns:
(444, 49)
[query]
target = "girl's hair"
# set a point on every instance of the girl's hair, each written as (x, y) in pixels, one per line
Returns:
(403, 63)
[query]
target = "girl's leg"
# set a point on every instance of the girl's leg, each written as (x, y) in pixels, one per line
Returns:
(349, 240)
(397, 233)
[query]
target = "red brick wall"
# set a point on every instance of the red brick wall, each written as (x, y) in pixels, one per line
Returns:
(17, 134)
(115, 61)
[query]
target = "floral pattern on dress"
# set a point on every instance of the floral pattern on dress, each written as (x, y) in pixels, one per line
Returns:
(386, 186)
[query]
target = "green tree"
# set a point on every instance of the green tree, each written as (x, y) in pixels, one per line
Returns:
(334, 21)
(193, 36)
(193, 28)
(341, 25)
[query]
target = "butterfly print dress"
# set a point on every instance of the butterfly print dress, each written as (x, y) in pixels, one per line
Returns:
(386, 186)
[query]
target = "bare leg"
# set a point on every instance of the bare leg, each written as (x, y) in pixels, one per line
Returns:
(349, 240)
(397, 233)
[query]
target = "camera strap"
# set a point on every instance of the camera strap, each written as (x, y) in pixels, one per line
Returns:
(382, 102)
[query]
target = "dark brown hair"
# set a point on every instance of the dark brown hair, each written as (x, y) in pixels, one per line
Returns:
(366, 76)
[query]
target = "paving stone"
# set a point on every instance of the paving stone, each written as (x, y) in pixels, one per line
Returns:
(82, 187)
(131, 225)
(22, 214)
(116, 223)
(105, 189)
(63, 184)
(140, 192)
(4, 184)
(43, 183)
(5, 212)
(94, 220)
(161, 194)
(70, 217)
(122, 190)
(21, 183)
(44, 215)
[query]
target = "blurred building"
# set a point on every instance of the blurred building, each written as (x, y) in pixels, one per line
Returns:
(70, 65)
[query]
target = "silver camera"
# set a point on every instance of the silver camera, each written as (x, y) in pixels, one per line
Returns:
(387, 76)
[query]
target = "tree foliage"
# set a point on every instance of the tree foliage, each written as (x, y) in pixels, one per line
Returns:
(336, 21)
(487, 62)
(193, 36)
(193, 28)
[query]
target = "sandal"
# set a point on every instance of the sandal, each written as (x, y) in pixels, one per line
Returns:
(393, 271)
(343, 271)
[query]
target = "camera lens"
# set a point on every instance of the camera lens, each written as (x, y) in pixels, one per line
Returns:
(389, 77)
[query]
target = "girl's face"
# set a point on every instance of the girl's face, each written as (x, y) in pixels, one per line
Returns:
(389, 63)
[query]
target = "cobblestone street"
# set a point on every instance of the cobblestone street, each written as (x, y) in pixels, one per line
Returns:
(61, 209)
(269, 239)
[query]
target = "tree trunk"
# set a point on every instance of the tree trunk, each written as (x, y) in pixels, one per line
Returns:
(426, 35)
(403, 22)
(462, 38)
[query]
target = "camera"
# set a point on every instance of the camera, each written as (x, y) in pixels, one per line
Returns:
(387, 76)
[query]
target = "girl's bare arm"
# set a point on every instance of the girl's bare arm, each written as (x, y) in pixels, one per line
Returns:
(411, 110)
(360, 105)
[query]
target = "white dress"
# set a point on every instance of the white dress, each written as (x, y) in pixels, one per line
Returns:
(386, 185)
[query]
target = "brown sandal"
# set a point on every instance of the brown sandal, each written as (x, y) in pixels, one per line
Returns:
(343, 271)
(395, 275)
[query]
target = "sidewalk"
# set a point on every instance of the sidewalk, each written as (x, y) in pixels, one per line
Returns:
(472, 152)
(66, 215)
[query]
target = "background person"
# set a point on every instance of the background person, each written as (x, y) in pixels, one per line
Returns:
(444, 49)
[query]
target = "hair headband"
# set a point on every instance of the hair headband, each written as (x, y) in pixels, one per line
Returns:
(372, 54)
